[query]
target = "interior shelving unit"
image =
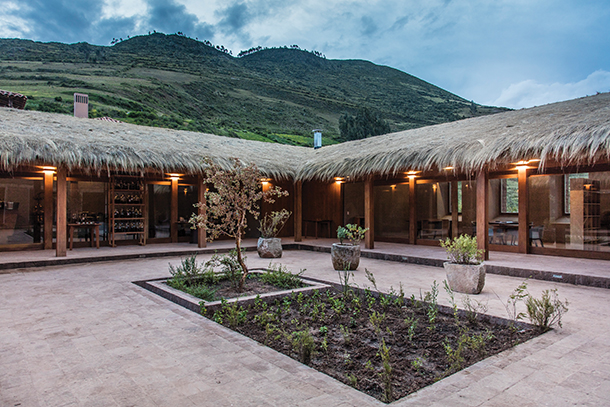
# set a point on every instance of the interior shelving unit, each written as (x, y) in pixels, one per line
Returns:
(127, 208)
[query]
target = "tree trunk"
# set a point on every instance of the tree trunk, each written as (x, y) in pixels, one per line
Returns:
(240, 259)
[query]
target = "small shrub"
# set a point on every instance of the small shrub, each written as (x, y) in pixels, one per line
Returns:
(303, 343)
(188, 270)
(280, 277)
(386, 373)
(462, 250)
(546, 311)
(273, 222)
(351, 232)
(473, 309)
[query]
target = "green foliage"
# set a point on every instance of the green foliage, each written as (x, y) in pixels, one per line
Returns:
(431, 297)
(366, 124)
(191, 85)
(279, 276)
(199, 290)
(547, 310)
(273, 222)
(304, 344)
(351, 232)
(225, 266)
(386, 373)
(231, 314)
(188, 270)
(462, 250)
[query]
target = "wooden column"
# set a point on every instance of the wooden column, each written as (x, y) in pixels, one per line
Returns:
(61, 244)
(201, 232)
(523, 211)
(369, 214)
(173, 217)
(455, 214)
(412, 210)
(48, 209)
(482, 212)
(298, 211)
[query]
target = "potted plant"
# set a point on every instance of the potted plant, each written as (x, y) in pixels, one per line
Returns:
(465, 269)
(346, 255)
(269, 245)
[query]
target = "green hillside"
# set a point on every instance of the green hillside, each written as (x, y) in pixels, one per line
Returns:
(276, 95)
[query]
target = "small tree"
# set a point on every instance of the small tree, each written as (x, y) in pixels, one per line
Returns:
(236, 193)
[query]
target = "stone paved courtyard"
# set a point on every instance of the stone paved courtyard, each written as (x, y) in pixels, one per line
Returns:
(84, 335)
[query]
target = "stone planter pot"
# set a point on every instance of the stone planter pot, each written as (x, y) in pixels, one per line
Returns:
(345, 256)
(465, 278)
(269, 247)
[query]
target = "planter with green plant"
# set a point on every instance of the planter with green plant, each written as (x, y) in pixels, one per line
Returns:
(269, 245)
(345, 255)
(465, 269)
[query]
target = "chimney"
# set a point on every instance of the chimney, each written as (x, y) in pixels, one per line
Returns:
(81, 105)
(317, 138)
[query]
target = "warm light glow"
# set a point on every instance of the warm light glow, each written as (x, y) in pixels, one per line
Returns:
(339, 180)
(434, 187)
(174, 176)
(448, 168)
(47, 169)
(393, 187)
(265, 181)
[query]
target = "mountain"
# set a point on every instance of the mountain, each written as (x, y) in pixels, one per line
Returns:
(276, 94)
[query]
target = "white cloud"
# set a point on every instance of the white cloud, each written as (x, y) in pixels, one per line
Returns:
(10, 25)
(530, 93)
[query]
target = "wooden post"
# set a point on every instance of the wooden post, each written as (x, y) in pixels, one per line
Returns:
(48, 209)
(201, 232)
(173, 213)
(62, 213)
(482, 213)
(412, 210)
(455, 214)
(369, 213)
(523, 211)
(298, 211)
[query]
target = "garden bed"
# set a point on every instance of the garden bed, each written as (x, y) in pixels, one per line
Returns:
(385, 345)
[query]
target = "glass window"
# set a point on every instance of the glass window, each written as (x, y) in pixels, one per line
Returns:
(509, 195)
(159, 204)
(21, 211)
(566, 189)
(433, 216)
(187, 197)
(87, 202)
(392, 211)
(587, 198)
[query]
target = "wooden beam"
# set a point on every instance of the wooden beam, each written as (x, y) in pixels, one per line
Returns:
(48, 210)
(523, 211)
(298, 211)
(61, 244)
(482, 212)
(201, 232)
(369, 213)
(455, 215)
(412, 210)
(173, 214)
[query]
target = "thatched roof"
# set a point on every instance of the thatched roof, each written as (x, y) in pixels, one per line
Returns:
(35, 138)
(572, 132)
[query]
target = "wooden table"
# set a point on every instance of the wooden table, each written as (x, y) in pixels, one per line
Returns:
(94, 228)
(317, 222)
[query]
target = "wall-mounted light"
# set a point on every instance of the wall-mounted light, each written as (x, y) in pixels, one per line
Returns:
(174, 176)
(339, 180)
(448, 168)
(265, 181)
(524, 164)
(48, 169)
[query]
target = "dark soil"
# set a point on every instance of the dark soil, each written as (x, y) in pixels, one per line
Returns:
(253, 286)
(347, 345)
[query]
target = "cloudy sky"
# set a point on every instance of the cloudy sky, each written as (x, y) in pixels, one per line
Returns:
(515, 53)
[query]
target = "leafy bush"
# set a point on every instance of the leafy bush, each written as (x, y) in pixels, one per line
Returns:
(462, 250)
(188, 270)
(280, 277)
(546, 311)
(351, 232)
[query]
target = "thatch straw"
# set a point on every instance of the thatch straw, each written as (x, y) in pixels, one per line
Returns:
(572, 132)
(34, 138)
